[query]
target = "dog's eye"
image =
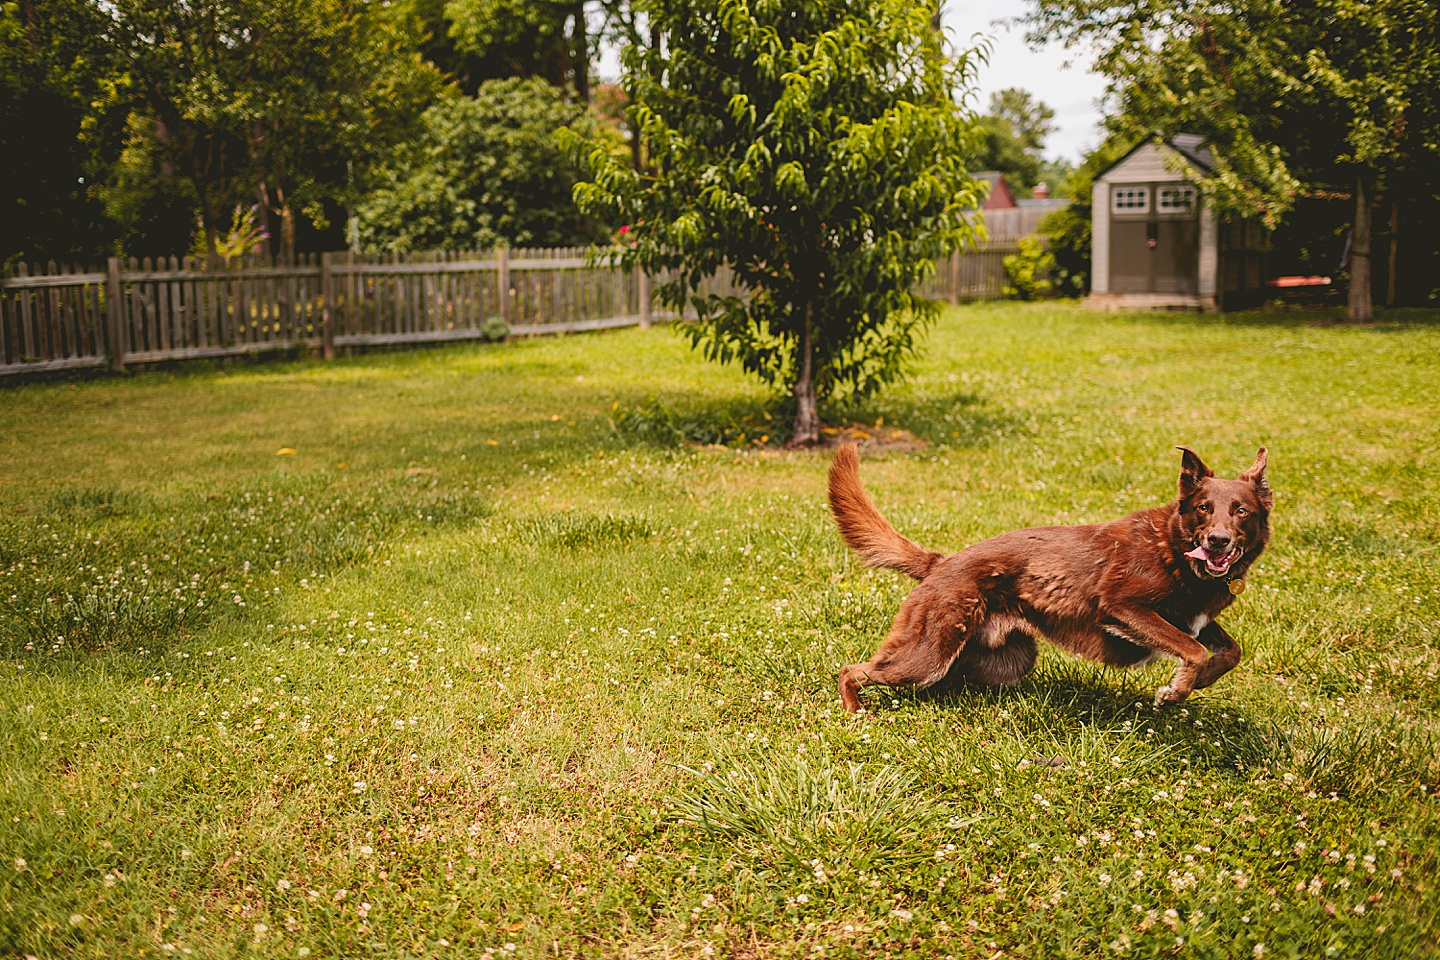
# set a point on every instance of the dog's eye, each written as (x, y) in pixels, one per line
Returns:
(1241, 511)
(1203, 508)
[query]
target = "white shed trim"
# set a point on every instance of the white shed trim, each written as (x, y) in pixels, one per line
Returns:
(1100, 237)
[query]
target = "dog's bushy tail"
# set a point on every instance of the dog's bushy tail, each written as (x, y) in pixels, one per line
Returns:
(862, 527)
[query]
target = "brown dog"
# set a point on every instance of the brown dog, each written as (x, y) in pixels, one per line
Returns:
(1118, 593)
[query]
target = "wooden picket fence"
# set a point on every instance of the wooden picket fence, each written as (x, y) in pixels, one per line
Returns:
(56, 317)
(971, 275)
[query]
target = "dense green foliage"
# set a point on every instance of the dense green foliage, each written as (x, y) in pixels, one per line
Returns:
(539, 38)
(1029, 272)
(813, 152)
(139, 126)
(482, 640)
(254, 101)
(486, 171)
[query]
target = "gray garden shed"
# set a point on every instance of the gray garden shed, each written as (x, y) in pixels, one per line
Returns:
(1156, 243)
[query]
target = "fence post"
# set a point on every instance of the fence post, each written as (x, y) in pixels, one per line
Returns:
(644, 300)
(955, 277)
(502, 268)
(327, 308)
(114, 314)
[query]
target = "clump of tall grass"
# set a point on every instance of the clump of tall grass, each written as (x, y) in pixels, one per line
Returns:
(95, 618)
(96, 501)
(1362, 761)
(802, 815)
(580, 530)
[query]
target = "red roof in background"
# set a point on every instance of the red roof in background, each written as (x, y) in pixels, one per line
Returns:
(1000, 197)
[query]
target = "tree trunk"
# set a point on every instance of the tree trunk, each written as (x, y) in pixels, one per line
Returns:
(287, 232)
(1394, 253)
(807, 422)
(1360, 266)
(262, 215)
(212, 247)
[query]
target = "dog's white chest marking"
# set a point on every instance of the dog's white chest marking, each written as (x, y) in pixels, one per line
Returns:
(1198, 624)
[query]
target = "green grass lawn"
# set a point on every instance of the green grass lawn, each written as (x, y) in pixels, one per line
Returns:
(474, 671)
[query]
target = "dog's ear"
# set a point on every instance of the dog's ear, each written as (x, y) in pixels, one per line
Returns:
(1192, 471)
(1256, 475)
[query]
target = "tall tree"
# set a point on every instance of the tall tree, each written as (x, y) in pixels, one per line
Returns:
(1012, 137)
(814, 150)
(997, 148)
(1314, 94)
(262, 101)
(1031, 119)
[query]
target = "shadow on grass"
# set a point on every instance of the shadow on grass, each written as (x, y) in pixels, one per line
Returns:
(962, 419)
(111, 570)
(731, 422)
(1068, 703)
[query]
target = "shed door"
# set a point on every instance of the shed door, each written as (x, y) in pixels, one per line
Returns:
(1129, 256)
(1176, 257)
(1154, 238)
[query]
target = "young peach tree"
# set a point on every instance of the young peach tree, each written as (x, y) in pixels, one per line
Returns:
(813, 149)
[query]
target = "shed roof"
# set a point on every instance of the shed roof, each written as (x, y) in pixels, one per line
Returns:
(1191, 146)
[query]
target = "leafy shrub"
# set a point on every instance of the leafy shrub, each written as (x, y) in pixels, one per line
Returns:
(493, 330)
(1027, 273)
(485, 171)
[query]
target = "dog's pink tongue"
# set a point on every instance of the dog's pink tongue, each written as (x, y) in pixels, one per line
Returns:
(1199, 553)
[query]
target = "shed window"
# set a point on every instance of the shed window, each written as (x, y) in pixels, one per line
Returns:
(1130, 200)
(1175, 199)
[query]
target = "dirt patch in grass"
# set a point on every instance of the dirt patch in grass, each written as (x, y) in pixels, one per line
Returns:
(871, 440)
(880, 439)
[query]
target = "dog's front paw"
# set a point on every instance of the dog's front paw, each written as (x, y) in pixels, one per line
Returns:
(1168, 695)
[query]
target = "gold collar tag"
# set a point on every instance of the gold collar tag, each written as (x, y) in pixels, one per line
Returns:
(1237, 587)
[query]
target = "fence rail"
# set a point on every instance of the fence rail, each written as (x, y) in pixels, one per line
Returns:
(56, 317)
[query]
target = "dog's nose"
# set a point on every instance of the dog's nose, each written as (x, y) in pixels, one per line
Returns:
(1217, 541)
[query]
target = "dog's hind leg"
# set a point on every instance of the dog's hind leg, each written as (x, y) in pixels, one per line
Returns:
(1000, 666)
(922, 644)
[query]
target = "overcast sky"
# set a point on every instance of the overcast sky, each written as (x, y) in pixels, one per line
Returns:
(1073, 92)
